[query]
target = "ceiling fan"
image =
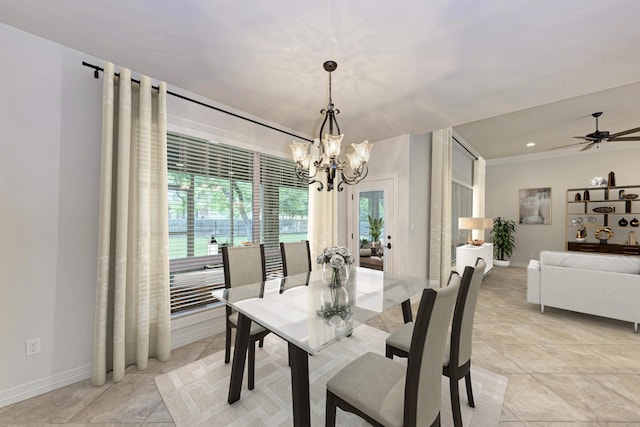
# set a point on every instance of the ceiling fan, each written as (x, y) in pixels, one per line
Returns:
(599, 136)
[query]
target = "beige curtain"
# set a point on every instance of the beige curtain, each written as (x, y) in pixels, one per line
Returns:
(323, 216)
(132, 321)
(440, 242)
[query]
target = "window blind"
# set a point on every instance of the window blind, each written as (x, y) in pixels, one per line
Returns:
(284, 208)
(232, 194)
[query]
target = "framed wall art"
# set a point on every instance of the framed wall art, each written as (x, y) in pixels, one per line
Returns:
(535, 206)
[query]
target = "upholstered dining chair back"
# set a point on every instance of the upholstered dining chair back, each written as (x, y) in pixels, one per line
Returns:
(296, 258)
(423, 385)
(463, 317)
(386, 393)
(243, 265)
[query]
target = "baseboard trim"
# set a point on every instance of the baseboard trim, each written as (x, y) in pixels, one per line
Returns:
(44, 385)
(184, 330)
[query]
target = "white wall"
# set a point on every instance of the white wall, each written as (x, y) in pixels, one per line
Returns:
(417, 251)
(563, 170)
(50, 119)
(406, 160)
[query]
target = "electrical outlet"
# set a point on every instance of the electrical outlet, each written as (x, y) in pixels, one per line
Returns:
(32, 347)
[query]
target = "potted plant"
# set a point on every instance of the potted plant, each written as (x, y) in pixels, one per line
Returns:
(503, 237)
(375, 229)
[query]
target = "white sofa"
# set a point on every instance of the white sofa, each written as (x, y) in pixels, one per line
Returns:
(598, 284)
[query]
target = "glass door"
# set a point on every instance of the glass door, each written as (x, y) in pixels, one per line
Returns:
(373, 224)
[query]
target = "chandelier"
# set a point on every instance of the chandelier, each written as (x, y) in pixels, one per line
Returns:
(352, 170)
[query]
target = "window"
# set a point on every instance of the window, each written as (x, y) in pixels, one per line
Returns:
(235, 195)
(461, 194)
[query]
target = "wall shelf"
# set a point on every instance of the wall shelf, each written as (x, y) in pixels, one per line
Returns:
(581, 213)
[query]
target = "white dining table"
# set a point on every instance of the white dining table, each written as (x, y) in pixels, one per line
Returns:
(292, 308)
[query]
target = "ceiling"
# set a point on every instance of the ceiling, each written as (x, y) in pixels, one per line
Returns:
(534, 69)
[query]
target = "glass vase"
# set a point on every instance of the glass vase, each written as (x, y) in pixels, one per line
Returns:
(335, 277)
(335, 307)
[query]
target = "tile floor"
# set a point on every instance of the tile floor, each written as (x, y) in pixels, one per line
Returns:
(565, 369)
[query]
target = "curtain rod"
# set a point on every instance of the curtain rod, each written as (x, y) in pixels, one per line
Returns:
(97, 69)
(465, 148)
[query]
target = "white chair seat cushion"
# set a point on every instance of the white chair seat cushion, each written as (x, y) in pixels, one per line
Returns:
(401, 339)
(373, 384)
(255, 328)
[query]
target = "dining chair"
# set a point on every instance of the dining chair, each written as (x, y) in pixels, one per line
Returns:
(386, 393)
(243, 265)
(296, 258)
(457, 355)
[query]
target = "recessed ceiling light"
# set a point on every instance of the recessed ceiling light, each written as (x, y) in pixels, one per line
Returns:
(530, 144)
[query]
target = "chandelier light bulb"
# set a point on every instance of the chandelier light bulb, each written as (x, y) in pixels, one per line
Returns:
(354, 160)
(332, 145)
(299, 151)
(362, 150)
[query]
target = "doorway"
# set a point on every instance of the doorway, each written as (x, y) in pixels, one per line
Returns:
(372, 224)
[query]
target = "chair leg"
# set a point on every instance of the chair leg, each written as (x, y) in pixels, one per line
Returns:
(252, 364)
(261, 342)
(330, 411)
(455, 402)
(388, 353)
(467, 381)
(227, 345)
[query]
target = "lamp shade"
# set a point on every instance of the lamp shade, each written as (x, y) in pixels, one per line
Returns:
(475, 223)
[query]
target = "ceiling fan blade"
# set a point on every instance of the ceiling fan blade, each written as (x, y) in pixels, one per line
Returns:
(586, 138)
(624, 132)
(588, 146)
(627, 138)
(567, 146)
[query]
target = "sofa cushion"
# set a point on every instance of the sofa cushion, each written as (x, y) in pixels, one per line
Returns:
(598, 262)
(365, 251)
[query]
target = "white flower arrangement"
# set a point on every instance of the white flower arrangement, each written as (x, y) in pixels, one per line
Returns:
(337, 256)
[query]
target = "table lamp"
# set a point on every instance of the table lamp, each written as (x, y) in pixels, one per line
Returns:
(475, 224)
